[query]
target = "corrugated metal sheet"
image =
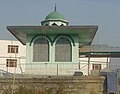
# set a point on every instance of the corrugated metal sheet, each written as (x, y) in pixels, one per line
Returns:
(100, 51)
(99, 48)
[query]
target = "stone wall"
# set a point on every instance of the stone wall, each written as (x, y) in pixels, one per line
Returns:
(57, 84)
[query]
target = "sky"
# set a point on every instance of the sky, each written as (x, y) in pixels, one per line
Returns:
(104, 13)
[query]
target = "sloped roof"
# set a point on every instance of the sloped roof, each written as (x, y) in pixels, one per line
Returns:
(85, 33)
(100, 51)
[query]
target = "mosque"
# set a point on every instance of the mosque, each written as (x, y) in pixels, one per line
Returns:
(53, 47)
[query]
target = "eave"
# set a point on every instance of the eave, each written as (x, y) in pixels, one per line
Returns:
(85, 33)
(100, 54)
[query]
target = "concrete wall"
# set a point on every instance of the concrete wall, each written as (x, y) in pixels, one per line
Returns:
(67, 84)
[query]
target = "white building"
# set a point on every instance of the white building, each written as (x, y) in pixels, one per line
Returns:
(99, 58)
(12, 56)
(94, 66)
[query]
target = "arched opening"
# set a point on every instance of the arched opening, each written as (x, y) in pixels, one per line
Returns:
(61, 25)
(54, 24)
(41, 50)
(63, 50)
(46, 25)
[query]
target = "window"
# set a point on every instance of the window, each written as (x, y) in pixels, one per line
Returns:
(12, 49)
(63, 50)
(96, 66)
(41, 50)
(11, 63)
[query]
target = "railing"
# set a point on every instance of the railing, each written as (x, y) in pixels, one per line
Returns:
(5, 73)
(49, 68)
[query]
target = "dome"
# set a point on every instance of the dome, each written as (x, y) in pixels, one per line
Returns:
(54, 19)
(55, 16)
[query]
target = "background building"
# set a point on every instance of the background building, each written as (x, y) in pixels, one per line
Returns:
(100, 57)
(12, 56)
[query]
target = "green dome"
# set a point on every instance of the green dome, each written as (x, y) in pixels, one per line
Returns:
(55, 16)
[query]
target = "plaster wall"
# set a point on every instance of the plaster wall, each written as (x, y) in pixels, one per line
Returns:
(84, 64)
(52, 66)
(20, 56)
(44, 68)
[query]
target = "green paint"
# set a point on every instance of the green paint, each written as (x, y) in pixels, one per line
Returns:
(75, 50)
(54, 15)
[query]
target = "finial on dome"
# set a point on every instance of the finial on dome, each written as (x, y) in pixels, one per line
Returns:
(55, 8)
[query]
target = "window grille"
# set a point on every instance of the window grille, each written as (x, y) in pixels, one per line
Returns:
(11, 63)
(63, 50)
(96, 66)
(41, 50)
(12, 49)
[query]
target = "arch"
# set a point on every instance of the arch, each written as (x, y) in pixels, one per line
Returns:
(63, 49)
(46, 25)
(54, 24)
(67, 36)
(36, 36)
(41, 49)
(62, 25)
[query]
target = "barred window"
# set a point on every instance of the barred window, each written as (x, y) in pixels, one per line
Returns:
(12, 49)
(11, 63)
(41, 50)
(96, 66)
(63, 50)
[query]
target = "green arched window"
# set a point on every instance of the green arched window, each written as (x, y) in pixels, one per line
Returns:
(41, 50)
(63, 50)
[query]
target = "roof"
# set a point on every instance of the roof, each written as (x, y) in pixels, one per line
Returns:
(85, 33)
(100, 51)
(54, 16)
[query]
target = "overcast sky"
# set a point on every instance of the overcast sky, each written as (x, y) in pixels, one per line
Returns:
(104, 13)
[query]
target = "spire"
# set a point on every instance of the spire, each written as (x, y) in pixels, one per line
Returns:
(55, 8)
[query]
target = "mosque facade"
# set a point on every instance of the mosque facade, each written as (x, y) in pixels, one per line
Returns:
(53, 48)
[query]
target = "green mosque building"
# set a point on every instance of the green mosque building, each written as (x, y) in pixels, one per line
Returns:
(53, 48)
